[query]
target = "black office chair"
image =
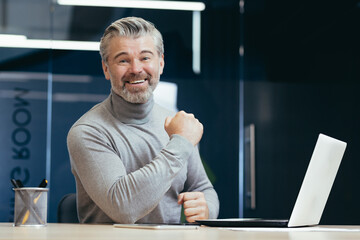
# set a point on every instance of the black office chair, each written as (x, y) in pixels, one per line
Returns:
(67, 212)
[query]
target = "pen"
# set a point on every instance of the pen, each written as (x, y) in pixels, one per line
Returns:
(43, 183)
(19, 183)
(27, 214)
(14, 183)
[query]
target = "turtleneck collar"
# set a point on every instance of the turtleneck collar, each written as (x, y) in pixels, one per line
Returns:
(130, 113)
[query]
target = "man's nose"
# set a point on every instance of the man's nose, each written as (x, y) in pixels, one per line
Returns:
(136, 66)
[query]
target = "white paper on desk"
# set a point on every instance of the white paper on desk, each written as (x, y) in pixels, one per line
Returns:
(157, 226)
(300, 229)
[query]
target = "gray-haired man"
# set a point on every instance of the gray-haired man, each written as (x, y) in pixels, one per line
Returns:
(134, 161)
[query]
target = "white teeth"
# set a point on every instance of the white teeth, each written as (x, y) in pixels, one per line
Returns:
(137, 81)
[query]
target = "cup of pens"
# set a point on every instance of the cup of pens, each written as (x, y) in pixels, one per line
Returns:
(30, 206)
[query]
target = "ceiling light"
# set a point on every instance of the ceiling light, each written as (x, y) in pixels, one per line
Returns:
(164, 5)
(20, 41)
(12, 37)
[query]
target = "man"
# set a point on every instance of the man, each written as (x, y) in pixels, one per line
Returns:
(134, 161)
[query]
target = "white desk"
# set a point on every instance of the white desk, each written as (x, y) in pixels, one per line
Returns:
(55, 231)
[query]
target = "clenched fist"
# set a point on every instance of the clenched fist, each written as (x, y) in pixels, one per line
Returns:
(195, 206)
(185, 125)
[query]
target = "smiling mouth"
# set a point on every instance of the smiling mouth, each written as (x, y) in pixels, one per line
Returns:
(137, 81)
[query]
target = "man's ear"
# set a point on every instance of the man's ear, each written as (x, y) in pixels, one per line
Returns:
(162, 64)
(105, 70)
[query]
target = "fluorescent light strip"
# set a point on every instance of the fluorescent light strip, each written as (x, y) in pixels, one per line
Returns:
(20, 42)
(30, 76)
(196, 42)
(75, 45)
(12, 37)
(164, 5)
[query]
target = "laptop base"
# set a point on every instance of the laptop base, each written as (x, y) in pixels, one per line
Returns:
(244, 222)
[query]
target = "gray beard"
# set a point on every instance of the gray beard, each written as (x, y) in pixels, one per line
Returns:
(138, 97)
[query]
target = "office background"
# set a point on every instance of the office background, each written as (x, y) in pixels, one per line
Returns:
(291, 69)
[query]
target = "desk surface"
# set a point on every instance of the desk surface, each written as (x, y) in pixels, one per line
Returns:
(108, 232)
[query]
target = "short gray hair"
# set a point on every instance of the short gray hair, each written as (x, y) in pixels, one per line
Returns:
(133, 27)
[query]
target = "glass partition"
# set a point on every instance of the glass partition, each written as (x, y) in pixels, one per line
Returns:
(24, 75)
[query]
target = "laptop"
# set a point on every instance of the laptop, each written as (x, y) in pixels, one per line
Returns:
(314, 191)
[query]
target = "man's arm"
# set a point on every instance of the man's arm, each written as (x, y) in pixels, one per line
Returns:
(201, 200)
(124, 197)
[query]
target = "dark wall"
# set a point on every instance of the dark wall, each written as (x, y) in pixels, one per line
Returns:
(306, 41)
(288, 118)
(219, 95)
(302, 71)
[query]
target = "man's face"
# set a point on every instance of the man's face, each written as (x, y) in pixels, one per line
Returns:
(133, 67)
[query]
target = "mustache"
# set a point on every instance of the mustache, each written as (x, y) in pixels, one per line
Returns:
(134, 77)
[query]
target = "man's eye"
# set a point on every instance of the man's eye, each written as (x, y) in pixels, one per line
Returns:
(145, 58)
(122, 61)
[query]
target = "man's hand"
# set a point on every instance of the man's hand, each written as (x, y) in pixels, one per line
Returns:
(185, 125)
(195, 206)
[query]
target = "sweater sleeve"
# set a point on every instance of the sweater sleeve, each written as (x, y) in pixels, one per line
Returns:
(197, 181)
(124, 197)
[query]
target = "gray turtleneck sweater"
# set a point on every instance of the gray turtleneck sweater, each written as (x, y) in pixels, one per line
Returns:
(127, 169)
